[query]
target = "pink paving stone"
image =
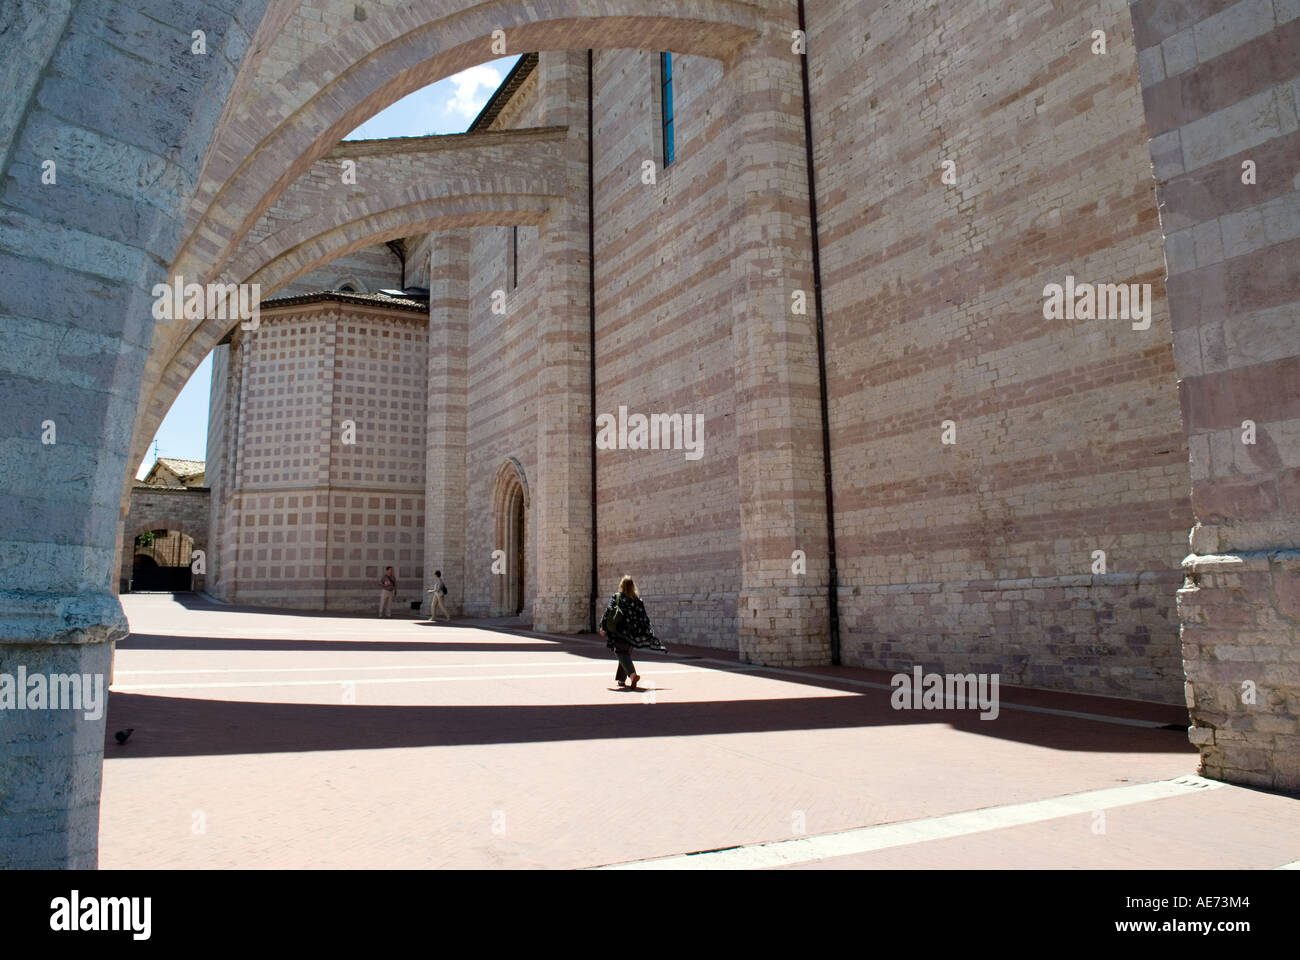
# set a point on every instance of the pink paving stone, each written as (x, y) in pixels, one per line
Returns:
(513, 749)
(1228, 828)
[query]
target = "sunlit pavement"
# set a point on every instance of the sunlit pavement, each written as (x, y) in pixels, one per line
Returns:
(267, 739)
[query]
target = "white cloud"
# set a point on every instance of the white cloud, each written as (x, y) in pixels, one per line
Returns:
(473, 87)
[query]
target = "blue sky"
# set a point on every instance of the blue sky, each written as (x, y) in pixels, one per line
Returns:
(447, 106)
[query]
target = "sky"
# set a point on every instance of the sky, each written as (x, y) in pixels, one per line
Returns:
(448, 106)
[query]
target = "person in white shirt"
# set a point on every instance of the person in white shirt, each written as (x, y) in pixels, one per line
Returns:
(439, 590)
(387, 593)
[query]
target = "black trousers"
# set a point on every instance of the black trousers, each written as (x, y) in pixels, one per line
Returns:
(625, 665)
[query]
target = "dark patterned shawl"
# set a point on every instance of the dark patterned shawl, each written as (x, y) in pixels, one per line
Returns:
(636, 630)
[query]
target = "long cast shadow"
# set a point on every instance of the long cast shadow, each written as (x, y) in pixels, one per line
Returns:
(148, 641)
(195, 601)
(176, 726)
(179, 726)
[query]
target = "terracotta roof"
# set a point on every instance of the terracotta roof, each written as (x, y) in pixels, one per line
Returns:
(182, 468)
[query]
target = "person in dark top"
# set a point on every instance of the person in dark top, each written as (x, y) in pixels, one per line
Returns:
(632, 630)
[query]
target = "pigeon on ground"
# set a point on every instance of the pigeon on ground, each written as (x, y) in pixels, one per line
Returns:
(122, 735)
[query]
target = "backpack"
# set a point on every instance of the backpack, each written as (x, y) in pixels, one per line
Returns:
(442, 589)
(619, 619)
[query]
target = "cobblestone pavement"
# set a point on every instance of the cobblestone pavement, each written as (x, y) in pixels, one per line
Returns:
(268, 739)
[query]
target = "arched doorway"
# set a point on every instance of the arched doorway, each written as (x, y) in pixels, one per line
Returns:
(161, 562)
(515, 576)
(510, 514)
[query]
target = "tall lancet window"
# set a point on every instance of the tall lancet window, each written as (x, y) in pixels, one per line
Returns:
(666, 105)
(512, 259)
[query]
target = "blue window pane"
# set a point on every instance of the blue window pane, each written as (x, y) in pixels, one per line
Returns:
(666, 91)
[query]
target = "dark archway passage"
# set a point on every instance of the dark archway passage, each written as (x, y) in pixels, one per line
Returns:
(518, 561)
(166, 528)
(162, 562)
(510, 507)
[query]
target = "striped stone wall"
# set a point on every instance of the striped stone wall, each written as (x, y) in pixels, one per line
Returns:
(1221, 83)
(979, 554)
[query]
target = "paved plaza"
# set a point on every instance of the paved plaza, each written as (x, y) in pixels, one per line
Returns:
(271, 739)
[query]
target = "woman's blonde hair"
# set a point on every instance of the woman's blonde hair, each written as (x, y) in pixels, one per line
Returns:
(627, 587)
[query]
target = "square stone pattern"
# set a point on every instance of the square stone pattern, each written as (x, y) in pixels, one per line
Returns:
(309, 521)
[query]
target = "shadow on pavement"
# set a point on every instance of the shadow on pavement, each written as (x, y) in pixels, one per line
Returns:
(175, 726)
(148, 641)
(182, 726)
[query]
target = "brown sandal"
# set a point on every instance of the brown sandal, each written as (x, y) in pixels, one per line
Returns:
(633, 679)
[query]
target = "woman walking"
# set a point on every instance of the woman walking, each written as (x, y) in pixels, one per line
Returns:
(625, 625)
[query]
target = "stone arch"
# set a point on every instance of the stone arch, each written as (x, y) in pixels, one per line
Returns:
(293, 106)
(297, 251)
(304, 247)
(164, 553)
(497, 178)
(511, 502)
(294, 117)
(189, 153)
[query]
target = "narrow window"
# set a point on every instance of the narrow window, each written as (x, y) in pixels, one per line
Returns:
(514, 257)
(666, 101)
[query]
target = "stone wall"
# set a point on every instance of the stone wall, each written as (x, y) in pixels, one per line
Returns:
(1066, 440)
(979, 554)
(215, 472)
(663, 344)
(1221, 83)
(501, 408)
(446, 523)
(113, 98)
(500, 368)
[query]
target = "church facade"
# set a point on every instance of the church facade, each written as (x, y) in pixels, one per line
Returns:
(1028, 516)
